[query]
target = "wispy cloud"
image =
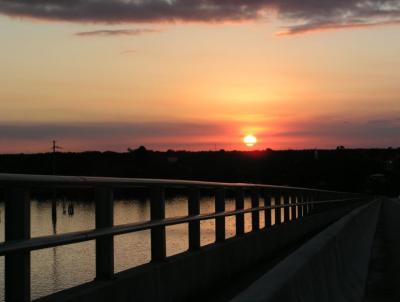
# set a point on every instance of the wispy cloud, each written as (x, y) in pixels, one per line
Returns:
(129, 51)
(307, 15)
(116, 32)
(326, 26)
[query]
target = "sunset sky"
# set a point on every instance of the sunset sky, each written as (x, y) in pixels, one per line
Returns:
(199, 75)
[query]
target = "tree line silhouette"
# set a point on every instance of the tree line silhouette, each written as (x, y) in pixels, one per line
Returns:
(355, 170)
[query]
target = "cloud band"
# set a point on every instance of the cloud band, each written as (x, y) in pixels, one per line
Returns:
(308, 15)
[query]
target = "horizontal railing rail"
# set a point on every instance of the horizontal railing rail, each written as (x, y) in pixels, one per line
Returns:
(42, 242)
(289, 203)
(116, 182)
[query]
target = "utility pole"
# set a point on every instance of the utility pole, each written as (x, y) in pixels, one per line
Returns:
(54, 202)
(55, 148)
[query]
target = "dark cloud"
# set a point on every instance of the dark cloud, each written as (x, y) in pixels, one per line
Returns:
(104, 130)
(35, 137)
(308, 15)
(116, 32)
(378, 132)
(325, 26)
(314, 132)
(315, 15)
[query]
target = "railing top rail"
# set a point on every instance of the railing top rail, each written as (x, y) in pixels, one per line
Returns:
(31, 180)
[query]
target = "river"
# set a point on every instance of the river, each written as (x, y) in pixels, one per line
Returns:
(55, 269)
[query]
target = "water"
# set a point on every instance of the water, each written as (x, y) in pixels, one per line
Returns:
(58, 268)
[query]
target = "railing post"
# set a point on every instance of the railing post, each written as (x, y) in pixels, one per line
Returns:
(320, 196)
(286, 208)
(104, 202)
(314, 197)
(302, 207)
(17, 227)
(239, 202)
(277, 198)
(194, 226)
(255, 215)
(308, 199)
(293, 199)
(267, 212)
(220, 221)
(157, 212)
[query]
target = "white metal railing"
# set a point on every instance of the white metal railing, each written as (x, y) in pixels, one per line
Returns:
(290, 202)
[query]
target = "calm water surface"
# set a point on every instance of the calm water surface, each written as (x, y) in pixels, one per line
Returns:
(54, 269)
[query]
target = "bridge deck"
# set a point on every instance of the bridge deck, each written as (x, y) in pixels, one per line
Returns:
(384, 269)
(354, 259)
(244, 280)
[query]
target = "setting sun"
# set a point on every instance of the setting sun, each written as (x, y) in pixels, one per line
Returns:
(250, 140)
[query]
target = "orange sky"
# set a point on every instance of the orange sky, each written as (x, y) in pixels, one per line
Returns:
(197, 85)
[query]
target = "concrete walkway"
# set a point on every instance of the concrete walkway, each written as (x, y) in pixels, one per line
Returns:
(332, 266)
(383, 282)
